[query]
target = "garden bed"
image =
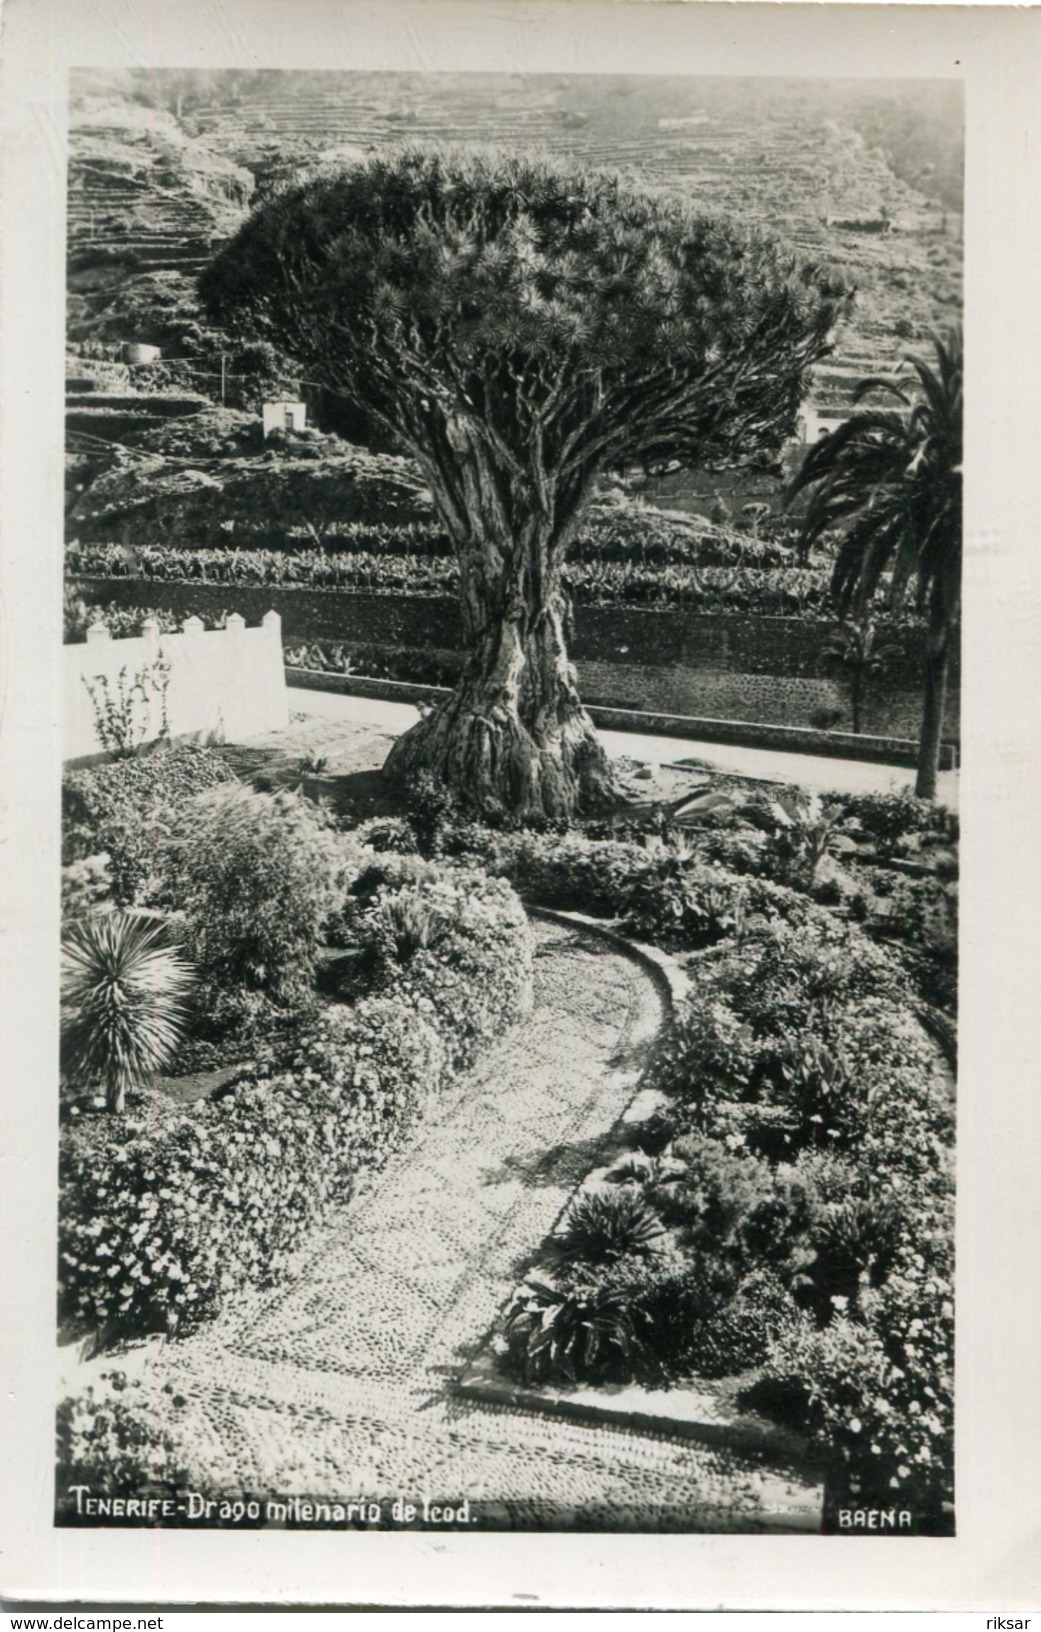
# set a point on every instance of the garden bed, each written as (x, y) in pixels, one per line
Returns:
(180, 1198)
(780, 1232)
(767, 1253)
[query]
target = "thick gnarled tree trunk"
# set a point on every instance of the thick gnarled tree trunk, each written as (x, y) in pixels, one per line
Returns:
(513, 736)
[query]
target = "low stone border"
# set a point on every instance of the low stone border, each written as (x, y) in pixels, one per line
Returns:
(664, 970)
(732, 733)
(698, 1414)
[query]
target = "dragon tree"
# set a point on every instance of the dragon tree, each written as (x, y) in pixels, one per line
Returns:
(520, 326)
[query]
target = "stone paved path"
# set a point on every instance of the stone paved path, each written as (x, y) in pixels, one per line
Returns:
(340, 1381)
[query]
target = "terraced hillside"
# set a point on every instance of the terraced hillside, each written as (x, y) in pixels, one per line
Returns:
(164, 166)
(786, 155)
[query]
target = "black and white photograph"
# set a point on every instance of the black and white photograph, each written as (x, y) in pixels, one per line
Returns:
(513, 554)
(505, 1069)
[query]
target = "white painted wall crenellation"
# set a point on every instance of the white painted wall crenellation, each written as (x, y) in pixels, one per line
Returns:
(221, 685)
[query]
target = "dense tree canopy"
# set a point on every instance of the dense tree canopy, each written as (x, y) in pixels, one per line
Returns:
(520, 326)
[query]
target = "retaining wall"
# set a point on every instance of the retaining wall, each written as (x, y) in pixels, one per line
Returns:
(735, 666)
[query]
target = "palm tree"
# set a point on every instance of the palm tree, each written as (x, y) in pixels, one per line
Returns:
(122, 1002)
(891, 478)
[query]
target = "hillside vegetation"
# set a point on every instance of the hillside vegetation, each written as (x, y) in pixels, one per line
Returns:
(164, 166)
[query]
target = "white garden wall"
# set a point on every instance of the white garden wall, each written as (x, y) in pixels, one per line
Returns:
(221, 685)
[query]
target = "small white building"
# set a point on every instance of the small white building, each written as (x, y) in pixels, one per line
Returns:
(815, 423)
(284, 416)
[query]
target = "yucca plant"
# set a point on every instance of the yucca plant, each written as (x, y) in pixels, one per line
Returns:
(123, 1002)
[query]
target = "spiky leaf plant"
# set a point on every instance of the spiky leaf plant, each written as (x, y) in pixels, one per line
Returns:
(603, 1228)
(123, 1002)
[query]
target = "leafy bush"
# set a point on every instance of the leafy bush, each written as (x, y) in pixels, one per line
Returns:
(126, 809)
(728, 1204)
(791, 973)
(802, 839)
(123, 997)
(707, 1055)
(255, 876)
(923, 912)
(566, 870)
(85, 885)
(168, 1209)
(740, 1333)
(475, 979)
(831, 1051)
(664, 894)
(678, 903)
(887, 818)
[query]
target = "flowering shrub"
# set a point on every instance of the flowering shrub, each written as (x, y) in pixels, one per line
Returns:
(125, 809)
(876, 1388)
(121, 1434)
(167, 1209)
(473, 977)
(126, 1437)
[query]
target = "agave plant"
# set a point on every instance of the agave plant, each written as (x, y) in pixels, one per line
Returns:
(603, 1228)
(123, 1002)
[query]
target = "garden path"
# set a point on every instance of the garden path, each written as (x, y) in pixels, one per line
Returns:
(340, 1382)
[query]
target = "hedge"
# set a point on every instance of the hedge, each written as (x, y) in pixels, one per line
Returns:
(664, 895)
(126, 807)
(166, 1210)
